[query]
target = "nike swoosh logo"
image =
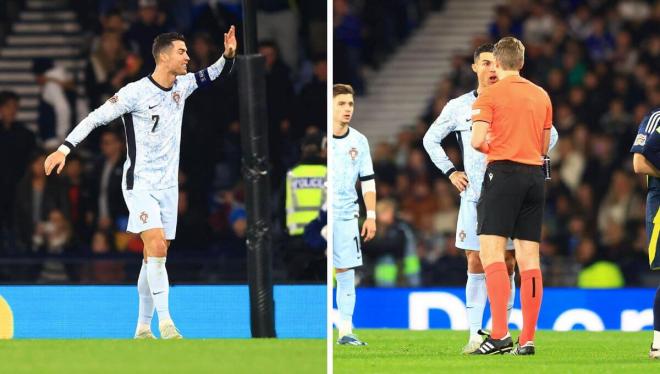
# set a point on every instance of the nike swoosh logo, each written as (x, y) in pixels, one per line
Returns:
(151, 107)
(158, 293)
(468, 120)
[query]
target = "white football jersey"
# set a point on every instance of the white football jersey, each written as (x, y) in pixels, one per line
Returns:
(351, 161)
(152, 117)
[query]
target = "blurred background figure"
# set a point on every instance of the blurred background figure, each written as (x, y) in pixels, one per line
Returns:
(305, 195)
(393, 252)
(17, 144)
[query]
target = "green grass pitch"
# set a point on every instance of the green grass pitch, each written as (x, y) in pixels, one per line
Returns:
(435, 351)
(158, 356)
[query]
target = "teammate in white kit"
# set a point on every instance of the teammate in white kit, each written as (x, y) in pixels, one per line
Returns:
(456, 117)
(351, 162)
(151, 109)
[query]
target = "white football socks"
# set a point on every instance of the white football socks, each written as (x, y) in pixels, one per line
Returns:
(159, 286)
(512, 298)
(476, 295)
(146, 303)
(345, 301)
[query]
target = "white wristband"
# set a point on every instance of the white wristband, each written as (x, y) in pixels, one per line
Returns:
(64, 149)
(371, 214)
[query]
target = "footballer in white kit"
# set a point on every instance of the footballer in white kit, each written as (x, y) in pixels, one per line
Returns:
(152, 111)
(351, 162)
(456, 117)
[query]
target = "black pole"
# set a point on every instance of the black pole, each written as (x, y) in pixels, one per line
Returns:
(249, 27)
(254, 145)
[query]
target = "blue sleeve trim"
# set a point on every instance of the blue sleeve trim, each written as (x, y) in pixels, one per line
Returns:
(202, 77)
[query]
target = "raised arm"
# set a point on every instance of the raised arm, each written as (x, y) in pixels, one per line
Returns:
(219, 69)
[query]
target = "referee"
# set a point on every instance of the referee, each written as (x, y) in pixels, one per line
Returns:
(511, 125)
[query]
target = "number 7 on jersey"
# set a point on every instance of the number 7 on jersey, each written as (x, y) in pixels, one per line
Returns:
(155, 118)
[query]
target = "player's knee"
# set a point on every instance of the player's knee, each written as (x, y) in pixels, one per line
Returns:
(530, 263)
(474, 263)
(157, 248)
(484, 257)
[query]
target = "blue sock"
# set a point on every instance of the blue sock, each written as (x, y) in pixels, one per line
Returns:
(346, 300)
(512, 299)
(475, 301)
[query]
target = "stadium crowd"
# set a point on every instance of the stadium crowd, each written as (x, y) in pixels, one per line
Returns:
(599, 63)
(55, 225)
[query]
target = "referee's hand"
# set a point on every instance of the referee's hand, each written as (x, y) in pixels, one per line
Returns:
(53, 160)
(368, 229)
(459, 179)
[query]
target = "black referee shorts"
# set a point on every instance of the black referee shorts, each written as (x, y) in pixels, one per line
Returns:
(511, 201)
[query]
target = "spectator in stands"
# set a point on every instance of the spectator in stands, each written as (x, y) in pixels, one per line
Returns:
(599, 43)
(278, 22)
(539, 26)
(596, 272)
(280, 95)
(17, 144)
(54, 108)
(150, 23)
(101, 268)
(214, 17)
(78, 199)
(111, 22)
(192, 228)
(56, 238)
(504, 24)
(36, 196)
(312, 100)
(107, 203)
(105, 73)
(393, 251)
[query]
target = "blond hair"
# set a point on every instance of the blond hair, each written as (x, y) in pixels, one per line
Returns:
(510, 53)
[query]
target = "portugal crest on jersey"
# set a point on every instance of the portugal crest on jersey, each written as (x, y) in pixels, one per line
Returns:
(176, 97)
(353, 152)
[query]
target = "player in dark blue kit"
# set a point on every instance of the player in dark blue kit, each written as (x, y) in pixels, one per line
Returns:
(646, 160)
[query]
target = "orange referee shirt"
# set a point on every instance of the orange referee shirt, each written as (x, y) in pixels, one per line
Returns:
(518, 112)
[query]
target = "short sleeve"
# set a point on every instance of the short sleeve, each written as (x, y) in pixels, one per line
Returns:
(548, 115)
(651, 149)
(642, 135)
(482, 109)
